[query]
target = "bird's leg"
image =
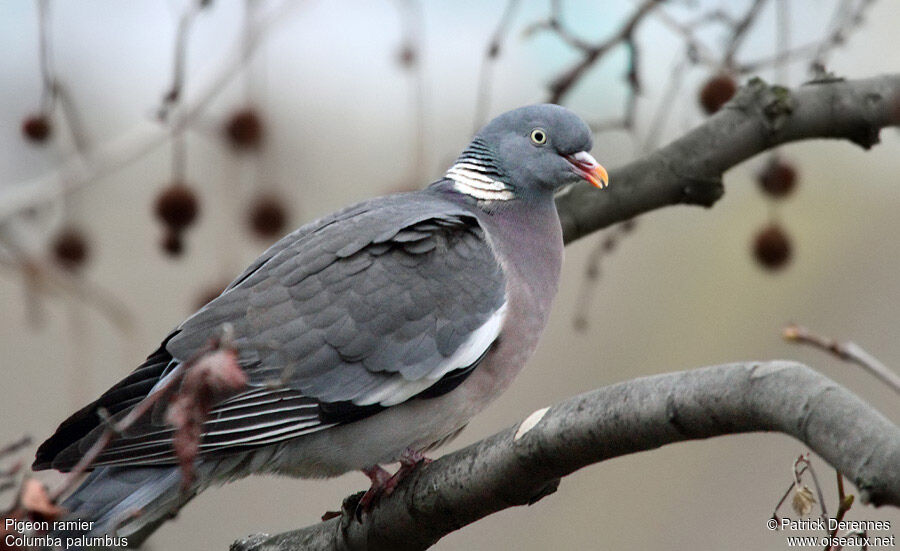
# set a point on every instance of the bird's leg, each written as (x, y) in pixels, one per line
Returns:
(410, 459)
(383, 483)
(380, 480)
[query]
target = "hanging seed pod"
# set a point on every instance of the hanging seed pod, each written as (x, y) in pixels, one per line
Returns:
(267, 216)
(172, 243)
(772, 247)
(70, 248)
(716, 92)
(406, 56)
(244, 129)
(778, 179)
(36, 128)
(177, 206)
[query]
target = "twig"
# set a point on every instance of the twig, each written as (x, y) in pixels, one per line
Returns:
(807, 466)
(797, 473)
(112, 430)
(847, 351)
(739, 31)
(697, 50)
(845, 502)
(688, 171)
(563, 84)
(116, 154)
(185, 23)
(44, 276)
(412, 22)
(844, 21)
(494, 47)
(48, 86)
(605, 246)
(15, 446)
(664, 109)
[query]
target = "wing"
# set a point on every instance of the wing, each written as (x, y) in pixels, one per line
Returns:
(396, 299)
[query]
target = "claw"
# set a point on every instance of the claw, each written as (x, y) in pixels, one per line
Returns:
(383, 484)
(380, 480)
(410, 458)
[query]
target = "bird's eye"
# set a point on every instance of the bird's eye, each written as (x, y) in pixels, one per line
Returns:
(538, 136)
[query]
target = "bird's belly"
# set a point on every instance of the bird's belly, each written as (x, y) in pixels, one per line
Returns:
(420, 423)
(379, 439)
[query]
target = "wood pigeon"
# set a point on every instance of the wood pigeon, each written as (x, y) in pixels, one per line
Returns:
(368, 336)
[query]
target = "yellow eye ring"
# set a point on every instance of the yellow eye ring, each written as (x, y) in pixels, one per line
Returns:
(538, 136)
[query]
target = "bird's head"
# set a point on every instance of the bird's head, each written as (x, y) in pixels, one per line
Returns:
(528, 151)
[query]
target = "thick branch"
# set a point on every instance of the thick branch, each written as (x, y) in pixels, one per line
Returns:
(518, 466)
(760, 117)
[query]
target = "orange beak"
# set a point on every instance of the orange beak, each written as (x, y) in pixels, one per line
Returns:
(588, 168)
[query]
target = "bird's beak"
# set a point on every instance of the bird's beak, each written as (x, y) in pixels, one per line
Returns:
(588, 168)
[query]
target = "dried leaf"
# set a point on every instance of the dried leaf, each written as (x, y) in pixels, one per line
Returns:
(803, 501)
(35, 500)
(213, 375)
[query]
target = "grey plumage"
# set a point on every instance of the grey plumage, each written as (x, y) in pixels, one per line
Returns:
(382, 327)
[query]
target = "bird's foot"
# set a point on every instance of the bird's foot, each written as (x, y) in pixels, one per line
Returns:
(410, 459)
(383, 483)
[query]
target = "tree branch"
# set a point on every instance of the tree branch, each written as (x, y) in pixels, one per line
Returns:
(503, 470)
(760, 117)
(522, 464)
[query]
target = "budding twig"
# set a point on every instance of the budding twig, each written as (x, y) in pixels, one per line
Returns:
(847, 351)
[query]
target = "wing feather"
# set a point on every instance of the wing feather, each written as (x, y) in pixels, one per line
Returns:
(393, 299)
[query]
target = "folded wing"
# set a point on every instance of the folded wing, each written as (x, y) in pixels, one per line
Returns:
(385, 302)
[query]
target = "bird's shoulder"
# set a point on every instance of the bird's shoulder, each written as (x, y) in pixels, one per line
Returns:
(360, 288)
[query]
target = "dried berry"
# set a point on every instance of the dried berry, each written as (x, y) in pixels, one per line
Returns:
(244, 129)
(36, 128)
(173, 243)
(772, 247)
(406, 56)
(778, 179)
(716, 92)
(70, 248)
(267, 216)
(177, 206)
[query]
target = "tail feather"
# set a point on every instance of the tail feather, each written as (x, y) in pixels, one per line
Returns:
(127, 502)
(133, 501)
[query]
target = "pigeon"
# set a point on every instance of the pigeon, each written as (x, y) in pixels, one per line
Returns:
(367, 337)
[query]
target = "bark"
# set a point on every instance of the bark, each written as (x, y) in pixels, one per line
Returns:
(520, 465)
(760, 117)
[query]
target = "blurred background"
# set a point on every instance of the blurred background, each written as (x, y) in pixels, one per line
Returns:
(288, 111)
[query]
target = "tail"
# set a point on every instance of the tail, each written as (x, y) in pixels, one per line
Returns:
(125, 502)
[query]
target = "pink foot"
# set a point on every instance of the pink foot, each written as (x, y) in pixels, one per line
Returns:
(383, 484)
(381, 479)
(409, 460)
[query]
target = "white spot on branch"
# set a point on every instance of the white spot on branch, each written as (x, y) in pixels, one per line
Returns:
(530, 422)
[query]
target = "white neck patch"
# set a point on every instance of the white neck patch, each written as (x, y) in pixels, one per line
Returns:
(472, 179)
